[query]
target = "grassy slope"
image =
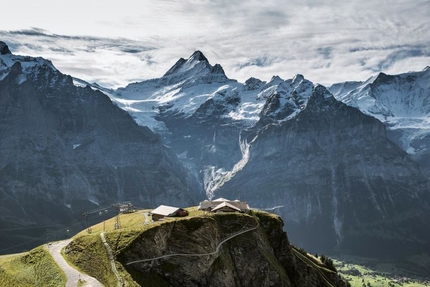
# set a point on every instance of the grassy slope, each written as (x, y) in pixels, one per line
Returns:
(33, 268)
(94, 261)
(315, 263)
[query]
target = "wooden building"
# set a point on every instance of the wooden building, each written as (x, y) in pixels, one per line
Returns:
(167, 211)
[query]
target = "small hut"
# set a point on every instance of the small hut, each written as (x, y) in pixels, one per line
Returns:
(167, 211)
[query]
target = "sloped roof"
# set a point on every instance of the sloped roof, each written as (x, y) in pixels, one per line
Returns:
(226, 204)
(220, 199)
(212, 204)
(165, 210)
(243, 205)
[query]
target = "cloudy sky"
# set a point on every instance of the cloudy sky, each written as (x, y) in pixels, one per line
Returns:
(118, 42)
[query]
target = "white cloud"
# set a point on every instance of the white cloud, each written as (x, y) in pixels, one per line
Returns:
(327, 41)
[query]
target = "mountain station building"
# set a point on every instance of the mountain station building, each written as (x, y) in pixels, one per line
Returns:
(167, 211)
(224, 205)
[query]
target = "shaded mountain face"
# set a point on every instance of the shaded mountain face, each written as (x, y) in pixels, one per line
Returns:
(66, 149)
(402, 103)
(342, 183)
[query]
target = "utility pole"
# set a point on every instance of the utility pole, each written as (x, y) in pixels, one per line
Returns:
(85, 215)
(117, 209)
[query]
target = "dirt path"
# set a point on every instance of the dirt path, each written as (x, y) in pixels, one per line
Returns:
(74, 277)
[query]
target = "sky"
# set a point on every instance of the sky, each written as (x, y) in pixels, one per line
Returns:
(115, 43)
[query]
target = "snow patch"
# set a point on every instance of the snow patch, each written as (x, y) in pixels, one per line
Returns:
(214, 179)
(93, 200)
(21, 79)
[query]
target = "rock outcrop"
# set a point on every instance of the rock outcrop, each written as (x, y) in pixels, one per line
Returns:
(4, 49)
(262, 256)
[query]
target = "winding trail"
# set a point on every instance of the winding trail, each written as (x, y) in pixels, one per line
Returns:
(74, 277)
(190, 254)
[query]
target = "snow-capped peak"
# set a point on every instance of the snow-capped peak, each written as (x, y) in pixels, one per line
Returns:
(25, 66)
(7, 59)
(298, 78)
(400, 101)
(195, 70)
(275, 80)
(198, 56)
(182, 65)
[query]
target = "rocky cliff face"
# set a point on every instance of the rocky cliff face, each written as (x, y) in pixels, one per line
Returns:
(260, 257)
(66, 149)
(402, 103)
(339, 179)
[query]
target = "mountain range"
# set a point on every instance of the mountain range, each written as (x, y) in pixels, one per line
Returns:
(349, 164)
(65, 150)
(401, 102)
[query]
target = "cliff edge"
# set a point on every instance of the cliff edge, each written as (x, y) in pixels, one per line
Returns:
(229, 249)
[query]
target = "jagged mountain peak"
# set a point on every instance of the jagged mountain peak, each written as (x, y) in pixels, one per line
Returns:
(320, 99)
(194, 70)
(183, 65)
(298, 78)
(381, 79)
(275, 79)
(26, 66)
(321, 91)
(253, 84)
(198, 56)
(4, 49)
